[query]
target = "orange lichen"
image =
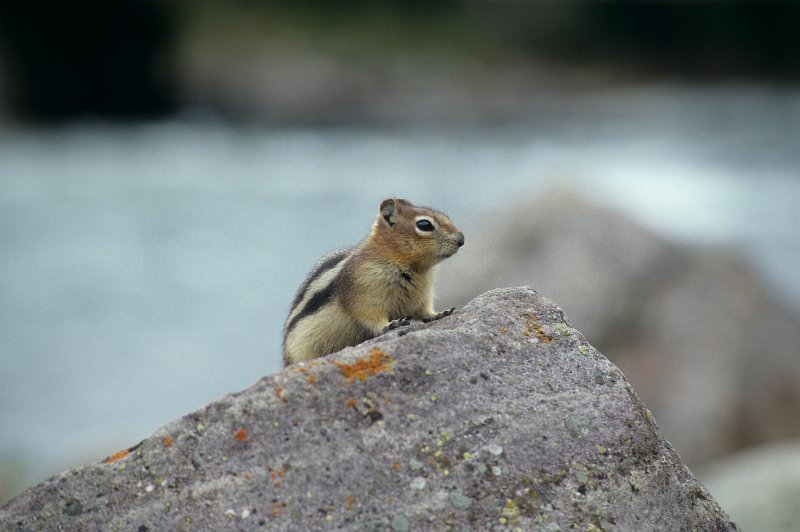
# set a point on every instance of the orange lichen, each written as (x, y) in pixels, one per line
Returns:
(277, 475)
(241, 435)
(349, 502)
(279, 393)
(536, 328)
(311, 378)
(366, 367)
(351, 403)
(277, 509)
(168, 441)
(396, 466)
(117, 456)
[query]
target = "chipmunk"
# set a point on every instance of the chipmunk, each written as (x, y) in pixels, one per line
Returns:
(354, 294)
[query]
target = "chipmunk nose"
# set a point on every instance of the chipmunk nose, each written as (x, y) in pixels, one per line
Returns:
(460, 239)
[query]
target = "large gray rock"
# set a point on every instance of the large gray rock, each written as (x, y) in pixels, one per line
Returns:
(707, 347)
(500, 415)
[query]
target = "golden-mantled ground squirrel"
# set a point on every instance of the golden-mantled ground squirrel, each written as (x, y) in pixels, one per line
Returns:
(357, 293)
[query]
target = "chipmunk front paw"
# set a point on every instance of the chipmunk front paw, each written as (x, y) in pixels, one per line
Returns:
(399, 322)
(440, 315)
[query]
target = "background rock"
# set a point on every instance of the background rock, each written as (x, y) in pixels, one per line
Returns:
(759, 487)
(502, 414)
(706, 345)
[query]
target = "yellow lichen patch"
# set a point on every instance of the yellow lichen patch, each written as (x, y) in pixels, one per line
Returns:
(117, 456)
(510, 510)
(366, 367)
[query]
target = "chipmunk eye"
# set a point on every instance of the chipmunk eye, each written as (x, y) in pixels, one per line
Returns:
(424, 225)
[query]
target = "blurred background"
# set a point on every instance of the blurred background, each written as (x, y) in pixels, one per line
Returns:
(170, 171)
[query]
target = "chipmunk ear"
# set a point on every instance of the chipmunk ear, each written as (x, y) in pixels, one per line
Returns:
(389, 211)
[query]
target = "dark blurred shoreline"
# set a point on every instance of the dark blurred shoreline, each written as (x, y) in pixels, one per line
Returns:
(364, 62)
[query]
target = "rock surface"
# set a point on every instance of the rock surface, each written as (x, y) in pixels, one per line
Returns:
(707, 347)
(500, 415)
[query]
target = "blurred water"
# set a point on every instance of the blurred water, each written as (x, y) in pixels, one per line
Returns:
(146, 270)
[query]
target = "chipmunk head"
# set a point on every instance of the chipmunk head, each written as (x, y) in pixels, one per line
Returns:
(417, 237)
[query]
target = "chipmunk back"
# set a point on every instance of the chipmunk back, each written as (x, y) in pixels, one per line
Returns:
(357, 293)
